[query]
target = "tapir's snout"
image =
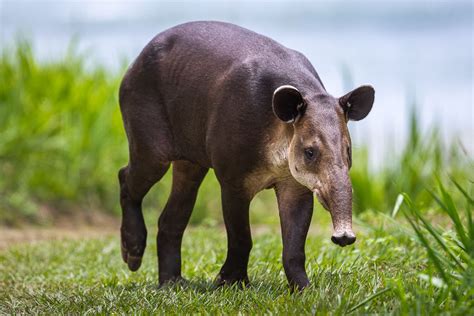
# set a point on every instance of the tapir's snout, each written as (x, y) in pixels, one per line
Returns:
(336, 197)
(343, 238)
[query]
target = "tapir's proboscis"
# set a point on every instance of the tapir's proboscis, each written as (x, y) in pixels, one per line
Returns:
(214, 95)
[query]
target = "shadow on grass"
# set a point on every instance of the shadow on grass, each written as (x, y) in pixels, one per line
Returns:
(204, 286)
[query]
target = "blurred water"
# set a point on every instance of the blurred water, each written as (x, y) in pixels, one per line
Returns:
(412, 52)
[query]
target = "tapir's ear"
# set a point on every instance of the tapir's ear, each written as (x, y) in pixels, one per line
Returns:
(358, 103)
(288, 103)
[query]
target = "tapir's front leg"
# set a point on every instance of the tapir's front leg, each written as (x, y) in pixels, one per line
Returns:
(235, 206)
(295, 204)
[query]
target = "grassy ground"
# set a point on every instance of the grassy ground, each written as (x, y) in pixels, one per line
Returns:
(386, 271)
(88, 276)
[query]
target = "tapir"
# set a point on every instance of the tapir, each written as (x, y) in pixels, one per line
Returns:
(215, 95)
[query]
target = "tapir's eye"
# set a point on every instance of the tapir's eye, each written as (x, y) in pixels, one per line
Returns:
(309, 153)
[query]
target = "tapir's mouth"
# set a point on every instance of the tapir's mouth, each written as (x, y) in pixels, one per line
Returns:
(343, 234)
(321, 199)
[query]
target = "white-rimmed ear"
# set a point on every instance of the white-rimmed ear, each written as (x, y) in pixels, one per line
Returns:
(287, 103)
(358, 103)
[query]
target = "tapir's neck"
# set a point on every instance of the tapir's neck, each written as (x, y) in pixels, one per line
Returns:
(274, 167)
(278, 146)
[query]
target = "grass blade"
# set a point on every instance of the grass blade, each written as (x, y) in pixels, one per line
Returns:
(447, 204)
(470, 203)
(398, 204)
(368, 299)
(437, 237)
(461, 189)
(432, 254)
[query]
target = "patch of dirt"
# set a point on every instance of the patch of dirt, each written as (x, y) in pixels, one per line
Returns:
(74, 225)
(14, 236)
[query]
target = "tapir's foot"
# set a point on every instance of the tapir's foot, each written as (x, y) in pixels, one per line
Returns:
(133, 245)
(298, 287)
(133, 230)
(173, 281)
(241, 279)
(298, 283)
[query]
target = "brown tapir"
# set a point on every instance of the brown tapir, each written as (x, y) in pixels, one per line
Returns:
(214, 95)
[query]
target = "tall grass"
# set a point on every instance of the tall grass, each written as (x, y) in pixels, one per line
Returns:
(450, 245)
(61, 135)
(62, 142)
(413, 169)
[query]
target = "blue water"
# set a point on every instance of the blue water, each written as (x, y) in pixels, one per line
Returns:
(412, 52)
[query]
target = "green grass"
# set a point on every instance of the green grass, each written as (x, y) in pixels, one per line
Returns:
(61, 134)
(88, 276)
(381, 273)
(415, 168)
(396, 266)
(450, 252)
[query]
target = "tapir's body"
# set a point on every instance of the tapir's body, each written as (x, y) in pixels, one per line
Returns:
(203, 95)
(213, 85)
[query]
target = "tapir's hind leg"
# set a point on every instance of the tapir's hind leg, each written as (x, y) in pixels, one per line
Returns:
(187, 178)
(150, 155)
(135, 181)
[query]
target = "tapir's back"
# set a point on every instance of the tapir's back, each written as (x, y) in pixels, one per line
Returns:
(201, 55)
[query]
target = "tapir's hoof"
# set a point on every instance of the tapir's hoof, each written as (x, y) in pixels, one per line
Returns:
(132, 255)
(240, 281)
(298, 288)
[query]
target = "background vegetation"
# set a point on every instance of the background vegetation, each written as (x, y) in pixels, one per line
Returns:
(62, 143)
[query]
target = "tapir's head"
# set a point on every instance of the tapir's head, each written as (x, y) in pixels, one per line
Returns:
(319, 154)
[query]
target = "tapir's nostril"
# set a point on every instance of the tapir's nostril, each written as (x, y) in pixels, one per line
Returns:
(343, 239)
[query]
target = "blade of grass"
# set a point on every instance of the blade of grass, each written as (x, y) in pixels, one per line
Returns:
(450, 202)
(461, 189)
(398, 204)
(470, 203)
(368, 299)
(437, 237)
(432, 254)
(452, 213)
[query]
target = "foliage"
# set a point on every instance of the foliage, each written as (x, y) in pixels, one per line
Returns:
(451, 253)
(413, 170)
(61, 134)
(62, 143)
